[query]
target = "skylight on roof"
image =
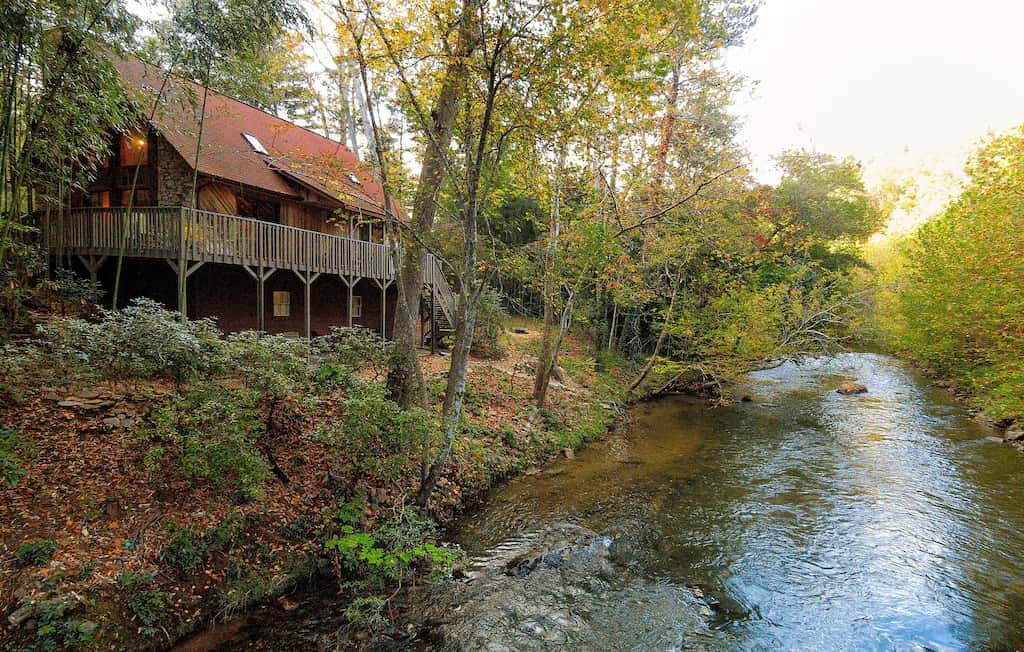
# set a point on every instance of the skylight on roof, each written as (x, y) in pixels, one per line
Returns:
(354, 179)
(255, 143)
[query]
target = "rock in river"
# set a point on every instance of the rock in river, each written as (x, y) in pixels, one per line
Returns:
(850, 387)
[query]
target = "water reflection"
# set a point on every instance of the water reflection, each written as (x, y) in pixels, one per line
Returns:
(820, 521)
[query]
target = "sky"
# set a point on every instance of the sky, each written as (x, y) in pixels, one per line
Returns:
(894, 83)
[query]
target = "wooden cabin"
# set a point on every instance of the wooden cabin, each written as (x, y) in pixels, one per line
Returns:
(287, 235)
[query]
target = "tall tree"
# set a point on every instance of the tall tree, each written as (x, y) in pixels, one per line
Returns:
(60, 96)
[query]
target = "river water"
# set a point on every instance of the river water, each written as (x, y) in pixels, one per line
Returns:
(801, 520)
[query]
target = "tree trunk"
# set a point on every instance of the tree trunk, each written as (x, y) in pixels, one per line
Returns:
(548, 351)
(668, 126)
(364, 112)
(615, 323)
(405, 379)
(455, 391)
(657, 347)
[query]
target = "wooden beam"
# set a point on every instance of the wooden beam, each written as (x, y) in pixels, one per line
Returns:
(307, 279)
(183, 234)
(350, 283)
(260, 277)
(92, 265)
(194, 268)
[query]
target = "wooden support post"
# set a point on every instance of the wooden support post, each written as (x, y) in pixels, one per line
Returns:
(182, 263)
(306, 304)
(384, 311)
(92, 265)
(350, 284)
(383, 285)
(261, 274)
(183, 271)
(307, 279)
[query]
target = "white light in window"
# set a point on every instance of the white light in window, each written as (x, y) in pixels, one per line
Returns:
(255, 143)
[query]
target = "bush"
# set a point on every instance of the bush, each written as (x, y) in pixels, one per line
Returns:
(490, 325)
(57, 631)
(144, 340)
(36, 553)
(391, 550)
(374, 437)
(185, 549)
(273, 365)
(69, 292)
(148, 605)
(11, 470)
(19, 270)
(343, 351)
(215, 430)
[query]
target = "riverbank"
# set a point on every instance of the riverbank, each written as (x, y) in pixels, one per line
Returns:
(112, 540)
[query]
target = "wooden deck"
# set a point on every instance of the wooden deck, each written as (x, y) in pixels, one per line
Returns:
(185, 236)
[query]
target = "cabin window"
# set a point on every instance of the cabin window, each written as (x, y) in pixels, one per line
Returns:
(357, 306)
(260, 209)
(267, 211)
(134, 149)
(282, 304)
(100, 199)
(142, 198)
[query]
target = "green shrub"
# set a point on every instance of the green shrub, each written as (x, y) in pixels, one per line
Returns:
(181, 549)
(583, 430)
(150, 607)
(11, 470)
(147, 605)
(144, 340)
(56, 630)
(69, 292)
(367, 612)
(374, 438)
(273, 365)
(216, 431)
(392, 550)
(343, 351)
(36, 553)
(549, 419)
(490, 325)
(250, 581)
(23, 263)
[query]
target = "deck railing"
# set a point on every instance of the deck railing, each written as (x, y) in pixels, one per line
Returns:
(174, 233)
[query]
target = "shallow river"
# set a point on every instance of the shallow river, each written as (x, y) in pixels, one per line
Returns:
(801, 520)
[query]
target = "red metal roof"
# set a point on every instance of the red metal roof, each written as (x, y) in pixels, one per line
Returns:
(296, 155)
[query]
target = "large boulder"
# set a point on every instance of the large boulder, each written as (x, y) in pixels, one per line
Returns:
(850, 387)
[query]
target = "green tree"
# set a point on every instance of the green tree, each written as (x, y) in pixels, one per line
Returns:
(960, 306)
(60, 96)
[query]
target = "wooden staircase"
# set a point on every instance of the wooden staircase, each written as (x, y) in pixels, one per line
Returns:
(439, 303)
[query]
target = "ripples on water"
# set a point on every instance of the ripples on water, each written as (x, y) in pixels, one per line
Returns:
(811, 520)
